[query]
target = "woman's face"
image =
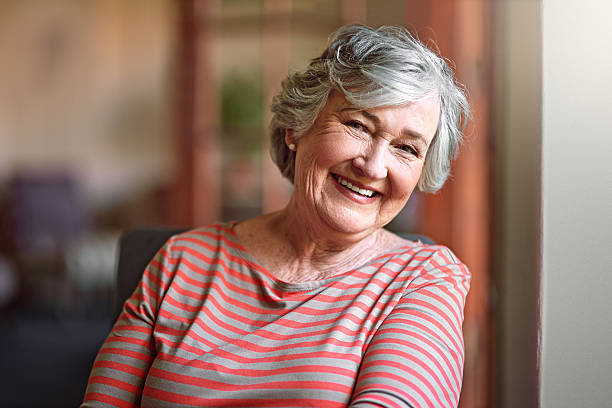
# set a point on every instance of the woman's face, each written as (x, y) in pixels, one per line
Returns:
(356, 168)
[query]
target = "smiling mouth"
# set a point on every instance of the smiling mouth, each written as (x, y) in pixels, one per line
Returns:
(361, 191)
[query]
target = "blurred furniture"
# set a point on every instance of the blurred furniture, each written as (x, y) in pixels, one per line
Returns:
(46, 213)
(138, 246)
(45, 216)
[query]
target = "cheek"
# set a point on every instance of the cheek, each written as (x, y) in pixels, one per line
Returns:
(333, 151)
(404, 184)
(312, 165)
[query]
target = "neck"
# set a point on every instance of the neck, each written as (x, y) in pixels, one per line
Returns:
(314, 251)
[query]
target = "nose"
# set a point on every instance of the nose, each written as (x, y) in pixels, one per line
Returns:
(372, 163)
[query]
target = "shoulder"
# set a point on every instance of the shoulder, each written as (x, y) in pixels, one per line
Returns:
(435, 255)
(409, 247)
(437, 269)
(194, 252)
(213, 235)
(428, 262)
(200, 244)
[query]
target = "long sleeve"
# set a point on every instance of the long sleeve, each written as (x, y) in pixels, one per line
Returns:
(208, 327)
(416, 357)
(122, 364)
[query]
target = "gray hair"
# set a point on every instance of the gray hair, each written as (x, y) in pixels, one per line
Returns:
(386, 66)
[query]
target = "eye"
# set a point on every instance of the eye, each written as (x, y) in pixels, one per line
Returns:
(408, 150)
(357, 126)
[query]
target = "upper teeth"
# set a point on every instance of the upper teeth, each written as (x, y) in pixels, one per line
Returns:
(362, 191)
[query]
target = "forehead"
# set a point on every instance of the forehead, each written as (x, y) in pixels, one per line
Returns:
(336, 101)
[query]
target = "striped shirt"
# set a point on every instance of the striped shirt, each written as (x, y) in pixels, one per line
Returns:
(208, 326)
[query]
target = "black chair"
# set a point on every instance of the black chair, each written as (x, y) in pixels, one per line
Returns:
(138, 246)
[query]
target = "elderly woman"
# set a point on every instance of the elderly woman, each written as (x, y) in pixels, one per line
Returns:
(315, 305)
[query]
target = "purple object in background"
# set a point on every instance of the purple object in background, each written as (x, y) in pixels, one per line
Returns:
(46, 213)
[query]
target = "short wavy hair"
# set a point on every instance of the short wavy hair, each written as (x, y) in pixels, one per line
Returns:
(373, 67)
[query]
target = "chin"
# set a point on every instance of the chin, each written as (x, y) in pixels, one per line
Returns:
(345, 222)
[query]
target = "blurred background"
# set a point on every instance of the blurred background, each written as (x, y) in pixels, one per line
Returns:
(116, 114)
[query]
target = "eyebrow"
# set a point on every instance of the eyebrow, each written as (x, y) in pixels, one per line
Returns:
(406, 132)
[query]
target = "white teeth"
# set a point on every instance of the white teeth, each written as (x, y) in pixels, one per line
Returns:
(362, 191)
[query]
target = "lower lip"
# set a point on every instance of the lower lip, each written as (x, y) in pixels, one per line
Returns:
(353, 196)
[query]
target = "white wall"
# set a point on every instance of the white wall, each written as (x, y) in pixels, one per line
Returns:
(517, 131)
(576, 298)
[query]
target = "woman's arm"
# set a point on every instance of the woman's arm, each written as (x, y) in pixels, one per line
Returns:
(416, 357)
(122, 364)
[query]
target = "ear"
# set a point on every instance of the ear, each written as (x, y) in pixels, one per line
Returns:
(289, 137)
